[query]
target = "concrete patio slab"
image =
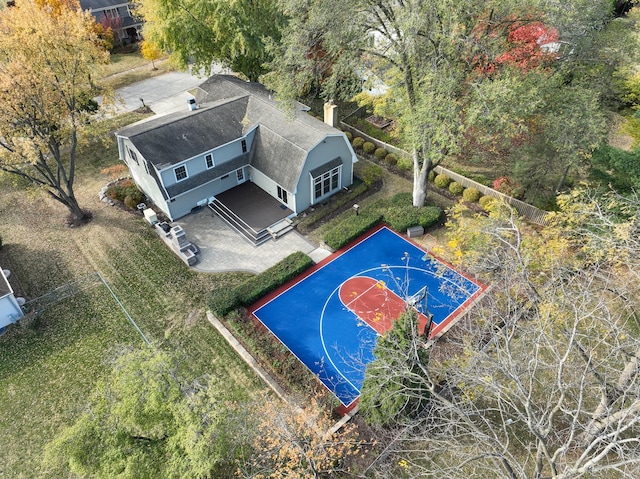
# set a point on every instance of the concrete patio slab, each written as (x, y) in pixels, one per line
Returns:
(223, 249)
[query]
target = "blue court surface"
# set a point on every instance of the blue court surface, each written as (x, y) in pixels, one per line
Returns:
(309, 317)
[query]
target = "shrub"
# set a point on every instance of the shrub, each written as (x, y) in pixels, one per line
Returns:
(442, 181)
(368, 147)
(405, 163)
(357, 143)
(130, 201)
(432, 176)
(391, 159)
(471, 194)
(223, 300)
(350, 228)
(380, 153)
(456, 188)
(349, 135)
(401, 199)
(371, 174)
(486, 200)
(257, 286)
(402, 217)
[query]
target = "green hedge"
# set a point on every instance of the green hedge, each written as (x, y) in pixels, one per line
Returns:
(357, 143)
(402, 217)
(405, 163)
(223, 301)
(350, 228)
(391, 159)
(380, 153)
(471, 194)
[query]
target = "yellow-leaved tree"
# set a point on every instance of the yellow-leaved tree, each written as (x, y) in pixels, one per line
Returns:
(48, 55)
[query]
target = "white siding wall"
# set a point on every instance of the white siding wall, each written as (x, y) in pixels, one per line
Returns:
(10, 311)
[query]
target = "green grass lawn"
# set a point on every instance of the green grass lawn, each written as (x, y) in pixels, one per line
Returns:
(127, 68)
(46, 372)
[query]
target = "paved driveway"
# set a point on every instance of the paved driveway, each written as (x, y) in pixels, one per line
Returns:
(223, 249)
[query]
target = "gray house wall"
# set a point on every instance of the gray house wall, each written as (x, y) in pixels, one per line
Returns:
(331, 147)
(184, 203)
(271, 187)
(139, 173)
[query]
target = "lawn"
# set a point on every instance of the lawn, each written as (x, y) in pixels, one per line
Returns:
(127, 68)
(46, 372)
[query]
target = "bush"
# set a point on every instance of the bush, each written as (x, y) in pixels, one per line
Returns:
(402, 217)
(132, 201)
(349, 229)
(401, 199)
(368, 147)
(486, 200)
(371, 174)
(256, 287)
(432, 176)
(442, 181)
(471, 194)
(223, 300)
(405, 163)
(349, 135)
(391, 159)
(357, 143)
(380, 153)
(456, 188)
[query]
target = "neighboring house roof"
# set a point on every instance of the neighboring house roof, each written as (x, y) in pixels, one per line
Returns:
(5, 288)
(230, 109)
(101, 4)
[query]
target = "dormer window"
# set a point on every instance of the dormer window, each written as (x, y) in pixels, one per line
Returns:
(209, 159)
(181, 173)
(244, 146)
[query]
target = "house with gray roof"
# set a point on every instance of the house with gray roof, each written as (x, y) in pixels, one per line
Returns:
(115, 14)
(237, 134)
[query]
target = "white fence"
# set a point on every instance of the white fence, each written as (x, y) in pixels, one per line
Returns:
(530, 212)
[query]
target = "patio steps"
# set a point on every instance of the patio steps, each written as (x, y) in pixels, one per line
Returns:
(247, 232)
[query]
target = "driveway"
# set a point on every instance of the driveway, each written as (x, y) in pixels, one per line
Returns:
(223, 249)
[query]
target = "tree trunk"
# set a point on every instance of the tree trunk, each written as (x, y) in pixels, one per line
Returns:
(420, 176)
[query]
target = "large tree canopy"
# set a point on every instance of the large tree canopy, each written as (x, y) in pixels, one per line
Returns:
(542, 380)
(47, 62)
(231, 32)
(148, 419)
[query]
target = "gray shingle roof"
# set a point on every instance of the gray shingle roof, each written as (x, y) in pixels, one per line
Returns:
(173, 138)
(229, 109)
(100, 4)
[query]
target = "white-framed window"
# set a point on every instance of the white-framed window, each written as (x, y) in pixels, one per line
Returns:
(243, 143)
(282, 194)
(112, 13)
(181, 173)
(240, 175)
(209, 160)
(132, 155)
(326, 183)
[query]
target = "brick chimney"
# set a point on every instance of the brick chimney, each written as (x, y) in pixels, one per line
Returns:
(331, 114)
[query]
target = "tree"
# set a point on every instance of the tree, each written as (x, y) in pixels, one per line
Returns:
(150, 52)
(384, 398)
(47, 62)
(230, 32)
(149, 418)
(294, 443)
(545, 379)
(417, 47)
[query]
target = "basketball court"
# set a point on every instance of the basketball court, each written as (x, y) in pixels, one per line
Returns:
(330, 317)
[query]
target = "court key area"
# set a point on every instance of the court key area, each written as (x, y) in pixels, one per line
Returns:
(330, 317)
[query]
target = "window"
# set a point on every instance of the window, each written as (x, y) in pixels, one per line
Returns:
(209, 159)
(133, 156)
(181, 173)
(282, 194)
(326, 183)
(240, 175)
(244, 146)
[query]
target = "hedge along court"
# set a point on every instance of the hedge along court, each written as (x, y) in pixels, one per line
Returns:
(330, 316)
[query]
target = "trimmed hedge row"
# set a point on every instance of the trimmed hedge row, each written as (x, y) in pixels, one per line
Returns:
(223, 301)
(398, 212)
(350, 228)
